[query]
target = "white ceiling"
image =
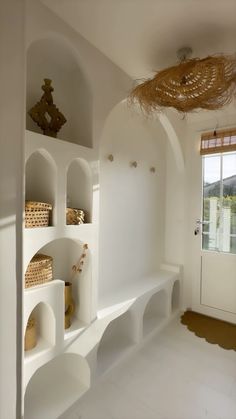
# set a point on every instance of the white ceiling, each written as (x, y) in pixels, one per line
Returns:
(141, 36)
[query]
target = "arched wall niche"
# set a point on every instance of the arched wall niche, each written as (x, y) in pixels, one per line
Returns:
(40, 179)
(79, 187)
(53, 57)
(56, 386)
(116, 339)
(155, 311)
(45, 324)
(66, 253)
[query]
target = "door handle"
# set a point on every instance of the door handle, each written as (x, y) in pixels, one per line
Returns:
(198, 224)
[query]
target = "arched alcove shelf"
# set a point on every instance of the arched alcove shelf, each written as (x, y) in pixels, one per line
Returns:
(175, 297)
(79, 187)
(53, 58)
(67, 253)
(155, 312)
(40, 179)
(45, 324)
(56, 386)
(117, 339)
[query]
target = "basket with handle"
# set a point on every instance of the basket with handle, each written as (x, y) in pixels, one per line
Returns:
(39, 270)
(37, 214)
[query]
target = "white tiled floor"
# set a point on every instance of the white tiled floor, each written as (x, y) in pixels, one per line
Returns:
(175, 376)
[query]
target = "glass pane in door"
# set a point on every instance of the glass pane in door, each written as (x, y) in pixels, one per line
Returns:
(211, 202)
(228, 241)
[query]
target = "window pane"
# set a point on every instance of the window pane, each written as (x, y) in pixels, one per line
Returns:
(229, 203)
(211, 202)
(233, 245)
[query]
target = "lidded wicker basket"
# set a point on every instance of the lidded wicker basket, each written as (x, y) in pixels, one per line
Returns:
(74, 216)
(37, 214)
(39, 270)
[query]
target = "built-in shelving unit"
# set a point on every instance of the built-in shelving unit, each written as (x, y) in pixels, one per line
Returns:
(102, 334)
(53, 167)
(64, 172)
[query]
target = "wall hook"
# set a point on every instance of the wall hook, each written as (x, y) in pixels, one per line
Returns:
(152, 169)
(133, 164)
(111, 157)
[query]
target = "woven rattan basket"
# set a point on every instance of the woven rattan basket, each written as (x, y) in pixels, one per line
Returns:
(74, 216)
(37, 214)
(39, 270)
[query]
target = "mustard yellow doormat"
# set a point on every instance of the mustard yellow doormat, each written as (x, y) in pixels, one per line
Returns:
(212, 330)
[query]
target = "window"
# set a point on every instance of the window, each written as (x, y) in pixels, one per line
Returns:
(219, 202)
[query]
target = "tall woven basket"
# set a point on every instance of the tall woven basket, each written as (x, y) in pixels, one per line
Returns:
(39, 270)
(30, 334)
(37, 214)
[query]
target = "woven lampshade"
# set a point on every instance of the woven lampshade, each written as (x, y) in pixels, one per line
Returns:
(208, 83)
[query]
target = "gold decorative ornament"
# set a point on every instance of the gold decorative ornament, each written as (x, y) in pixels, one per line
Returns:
(208, 83)
(45, 113)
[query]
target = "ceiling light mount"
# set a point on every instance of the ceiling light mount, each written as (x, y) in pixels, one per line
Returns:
(184, 53)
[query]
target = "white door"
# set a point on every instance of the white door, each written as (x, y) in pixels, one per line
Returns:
(215, 232)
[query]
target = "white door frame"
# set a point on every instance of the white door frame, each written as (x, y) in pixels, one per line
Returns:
(194, 256)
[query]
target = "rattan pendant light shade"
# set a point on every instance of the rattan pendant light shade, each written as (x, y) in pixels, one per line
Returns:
(208, 83)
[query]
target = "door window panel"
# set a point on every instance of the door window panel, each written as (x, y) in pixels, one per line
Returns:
(219, 202)
(211, 202)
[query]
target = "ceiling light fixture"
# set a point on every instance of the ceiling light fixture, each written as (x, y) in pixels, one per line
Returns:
(208, 83)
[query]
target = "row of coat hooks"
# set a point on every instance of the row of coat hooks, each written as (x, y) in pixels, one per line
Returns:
(132, 163)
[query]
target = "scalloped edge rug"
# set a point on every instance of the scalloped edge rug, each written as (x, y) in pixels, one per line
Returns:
(217, 332)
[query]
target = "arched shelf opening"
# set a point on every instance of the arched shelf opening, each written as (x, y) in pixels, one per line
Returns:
(56, 386)
(117, 339)
(40, 330)
(175, 297)
(155, 312)
(40, 180)
(67, 258)
(79, 187)
(53, 58)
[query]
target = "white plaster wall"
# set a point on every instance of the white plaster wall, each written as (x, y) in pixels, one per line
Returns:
(132, 200)
(11, 197)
